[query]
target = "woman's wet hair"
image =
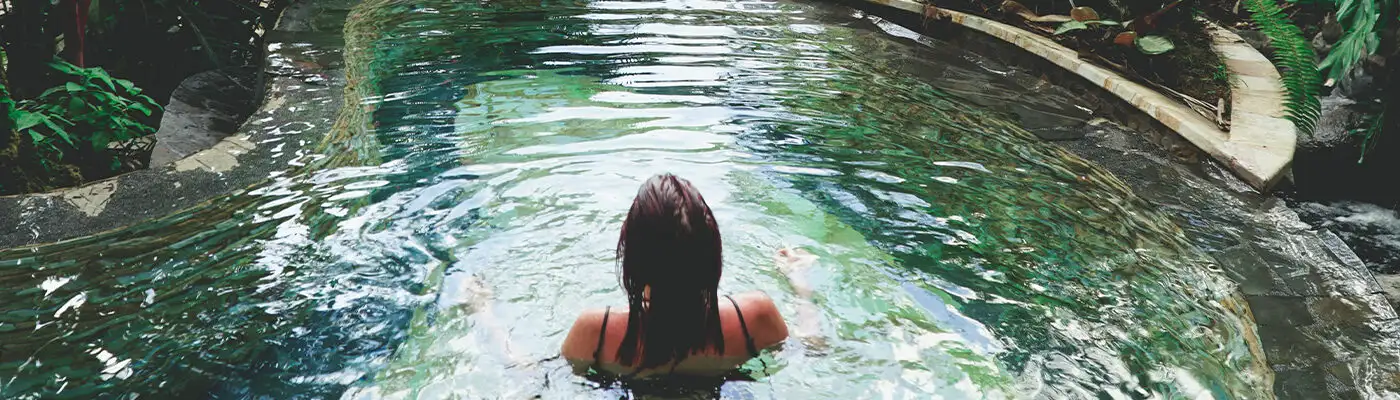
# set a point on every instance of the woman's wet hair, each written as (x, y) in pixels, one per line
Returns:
(670, 243)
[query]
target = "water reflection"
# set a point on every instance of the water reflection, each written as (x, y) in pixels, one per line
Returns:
(445, 251)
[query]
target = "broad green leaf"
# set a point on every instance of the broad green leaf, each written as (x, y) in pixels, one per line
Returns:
(27, 120)
(36, 136)
(64, 67)
(1154, 45)
(58, 130)
(1345, 9)
(108, 80)
(74, 87)
(104, 97)
(1070, 26)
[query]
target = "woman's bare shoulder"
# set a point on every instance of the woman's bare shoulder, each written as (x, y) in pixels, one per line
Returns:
(756, 300)
(583, 336)
(766, 324)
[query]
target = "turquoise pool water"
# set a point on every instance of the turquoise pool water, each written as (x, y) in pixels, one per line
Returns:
(491, 150)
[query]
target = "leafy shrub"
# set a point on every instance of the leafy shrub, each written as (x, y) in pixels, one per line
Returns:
(84, 116)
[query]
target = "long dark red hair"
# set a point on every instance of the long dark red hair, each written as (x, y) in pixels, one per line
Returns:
(670, 243)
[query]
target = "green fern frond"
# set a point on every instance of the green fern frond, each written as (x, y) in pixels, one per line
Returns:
(1293, 54)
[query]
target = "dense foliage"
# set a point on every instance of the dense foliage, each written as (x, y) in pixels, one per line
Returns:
(79, 129)
(1362, 21)
(9, 138)
(70, 120)
(1356, 34)
(85, 116)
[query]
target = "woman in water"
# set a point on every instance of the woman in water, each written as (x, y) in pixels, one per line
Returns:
(675, 321)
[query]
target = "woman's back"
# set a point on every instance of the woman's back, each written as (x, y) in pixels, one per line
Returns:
(749, 322)
(670, 255)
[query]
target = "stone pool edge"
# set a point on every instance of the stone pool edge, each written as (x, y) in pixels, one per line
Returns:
(263, 144)
(1260, 143)
(1334, 308)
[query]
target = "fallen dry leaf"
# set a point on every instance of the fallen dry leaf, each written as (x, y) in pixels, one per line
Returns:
(1082, 14)
(1125, 38)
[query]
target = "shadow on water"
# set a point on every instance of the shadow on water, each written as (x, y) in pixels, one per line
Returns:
(445, 250)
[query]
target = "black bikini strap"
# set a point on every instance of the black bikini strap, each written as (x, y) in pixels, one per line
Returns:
(748, 340)
(602, 334)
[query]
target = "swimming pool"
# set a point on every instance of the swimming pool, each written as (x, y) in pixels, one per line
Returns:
(472, 205)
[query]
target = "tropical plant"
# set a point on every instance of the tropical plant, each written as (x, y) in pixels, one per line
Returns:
(21, 167)
(85, 115)
(1294, 54)
(65, 123)
(1362, 22)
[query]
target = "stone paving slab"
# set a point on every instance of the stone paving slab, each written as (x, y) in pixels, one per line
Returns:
(206, 108)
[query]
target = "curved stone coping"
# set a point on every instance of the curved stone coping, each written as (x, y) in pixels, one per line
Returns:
(1259, 146)
(303, 81)
(1321, 318)
(1261, 139)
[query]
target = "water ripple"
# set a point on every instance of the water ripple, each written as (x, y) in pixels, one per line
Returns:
(961, 258)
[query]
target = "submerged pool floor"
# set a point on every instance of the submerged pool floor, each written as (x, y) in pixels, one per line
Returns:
(496, 149)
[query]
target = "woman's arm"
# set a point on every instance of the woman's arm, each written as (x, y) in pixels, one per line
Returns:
(478, 300)
(794, 263)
